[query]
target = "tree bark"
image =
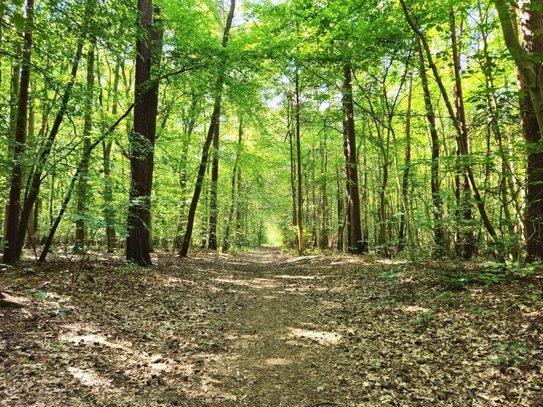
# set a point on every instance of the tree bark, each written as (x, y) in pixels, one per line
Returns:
(466, 240)
(300, 201)
(213, 201)
(36, 177)
(356, 241)
(142, 138)
(82, 187)
(450, 110)
(530, 74)
(234, 198)
(14, 206)
(438, 230)
(402, 241)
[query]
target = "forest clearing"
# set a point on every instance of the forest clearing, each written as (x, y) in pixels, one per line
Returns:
(271, 203)
(267, 329)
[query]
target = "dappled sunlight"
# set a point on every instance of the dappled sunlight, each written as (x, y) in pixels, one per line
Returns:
(257, 283)
(292, 277)
(90, 378)
(412, 309)
(302, 259)
(320, 337)
(392, 262)
(173, 281)
(277, 362)
(86, 334)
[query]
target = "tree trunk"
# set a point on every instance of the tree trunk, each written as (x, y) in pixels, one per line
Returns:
(142, 138)
(324, 192)
(213, 198)
(406, 170)
(82, 187)
(36, 177)
(450, 110)
(356, 241)
(439, 234)
(234, 197)
(530, 74)
(300, 202)
(215, 118)
(13, 212)
(109, 212)
(466, 243)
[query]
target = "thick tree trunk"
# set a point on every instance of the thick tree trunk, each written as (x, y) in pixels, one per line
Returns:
(530, 74)
(13, 211)
(142, 138)
(215, 118)
(356, 240)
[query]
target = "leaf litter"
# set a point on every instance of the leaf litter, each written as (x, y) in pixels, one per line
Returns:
(267, 329)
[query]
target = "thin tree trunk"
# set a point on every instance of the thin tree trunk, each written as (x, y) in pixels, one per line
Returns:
(439, 234)
(234, 198)
(324, 192)
(467, 239)
(213, 198)
(356, 241)
(82, 187)
(36, 178)
(109, 213)
(215, 118)
(300, 202)
(14, 206)
(84, 161)
(406, 171)
(467, 168)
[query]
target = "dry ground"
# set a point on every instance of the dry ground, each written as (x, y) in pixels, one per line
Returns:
(266, 329)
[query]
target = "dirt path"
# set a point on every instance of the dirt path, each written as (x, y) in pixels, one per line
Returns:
(265, 329)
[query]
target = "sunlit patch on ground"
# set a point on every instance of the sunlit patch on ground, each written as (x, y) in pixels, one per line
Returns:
(277, 362)
(89, 378)
(88, 335)
(412, 309)
(301, 277)
(257, 283)
(392, 262)
(321, 337)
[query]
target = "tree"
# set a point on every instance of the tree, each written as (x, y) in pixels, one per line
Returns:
(13, 210)
(527, 57)
(142, 138)
(215, 119)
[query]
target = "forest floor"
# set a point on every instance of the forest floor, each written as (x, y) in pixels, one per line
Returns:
(267, 329)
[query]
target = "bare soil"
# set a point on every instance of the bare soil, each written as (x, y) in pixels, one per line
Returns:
(267, 329)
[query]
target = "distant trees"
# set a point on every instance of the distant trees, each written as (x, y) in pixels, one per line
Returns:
(394, 128)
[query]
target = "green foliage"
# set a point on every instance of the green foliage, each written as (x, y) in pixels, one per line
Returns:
(40, 295)
(424, 319)
(510, 354)
(127, 267)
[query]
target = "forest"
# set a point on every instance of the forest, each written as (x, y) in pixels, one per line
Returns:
(271, 202)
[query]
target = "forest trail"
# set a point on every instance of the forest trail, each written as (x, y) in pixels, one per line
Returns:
(266, 329)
